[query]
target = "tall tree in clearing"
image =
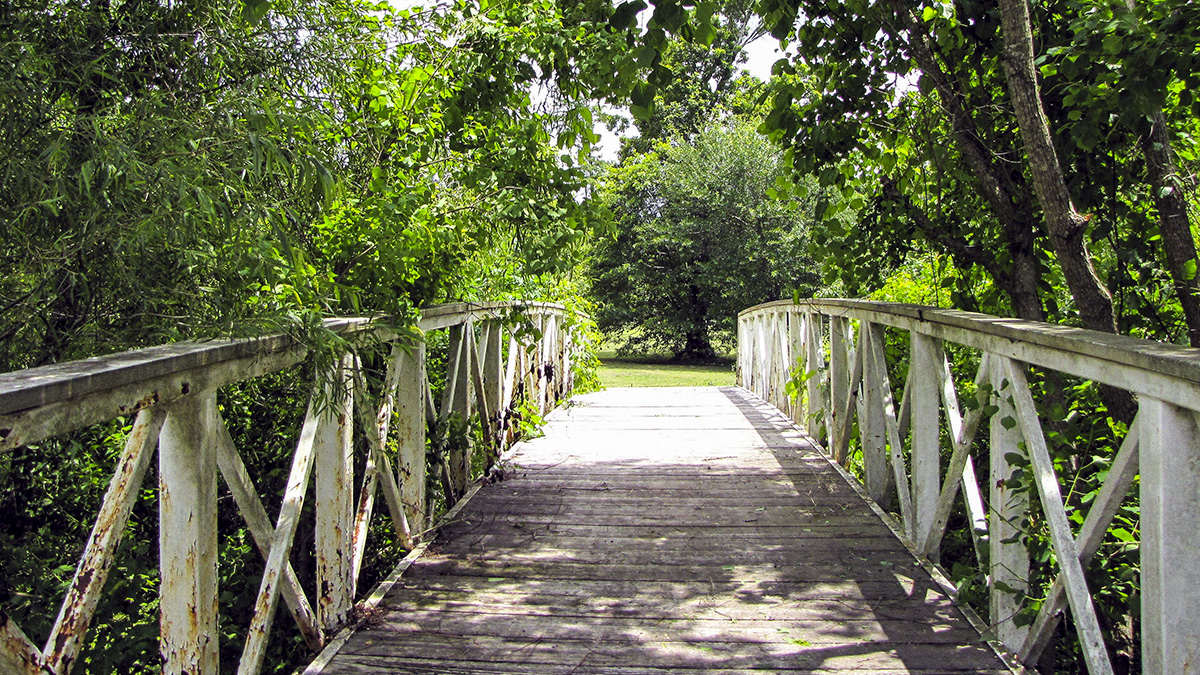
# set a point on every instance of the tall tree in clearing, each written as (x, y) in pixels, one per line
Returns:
(698, 237)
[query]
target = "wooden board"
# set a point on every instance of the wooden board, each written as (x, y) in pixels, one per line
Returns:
(675, 531)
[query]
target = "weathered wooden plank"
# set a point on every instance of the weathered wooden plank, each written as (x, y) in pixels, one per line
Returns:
(416, 666)
(716, 536)
(801, 496)
(776, 485)
(884, 551)
(536, 653)
(635, 630)
(655, 557)
(567, 608)
(742, 590)
(703, 601)
(696, 518)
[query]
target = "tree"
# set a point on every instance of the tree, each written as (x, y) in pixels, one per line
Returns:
(178, 170)
(705, 78)
(836, 110)
(174, 171)
(699, 237)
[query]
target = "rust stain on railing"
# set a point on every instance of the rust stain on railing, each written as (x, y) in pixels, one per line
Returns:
(177, 383)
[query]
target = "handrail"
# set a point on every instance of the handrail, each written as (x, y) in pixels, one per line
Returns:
(823, 361)
(499, 353)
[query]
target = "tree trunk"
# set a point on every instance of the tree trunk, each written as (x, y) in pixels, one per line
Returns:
(1064, 225)
(1179, 248)
(1002, 189)
(697, 347)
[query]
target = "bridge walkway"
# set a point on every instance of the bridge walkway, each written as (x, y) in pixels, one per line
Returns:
(689, 530)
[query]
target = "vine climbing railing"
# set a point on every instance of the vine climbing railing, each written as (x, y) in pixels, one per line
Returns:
(825, 363)
(498, 353)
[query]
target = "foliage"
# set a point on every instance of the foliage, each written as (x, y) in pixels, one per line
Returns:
(187, 173)
(698, 238)
(907, 111)
(173, 171)
(706, 81)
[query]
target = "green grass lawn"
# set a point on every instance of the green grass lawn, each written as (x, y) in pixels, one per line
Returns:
(616, 372)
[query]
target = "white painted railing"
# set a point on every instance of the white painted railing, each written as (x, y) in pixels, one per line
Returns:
(836, 347)
(172, 392)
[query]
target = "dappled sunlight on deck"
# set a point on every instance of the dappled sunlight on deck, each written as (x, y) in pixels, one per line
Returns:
(667, 530)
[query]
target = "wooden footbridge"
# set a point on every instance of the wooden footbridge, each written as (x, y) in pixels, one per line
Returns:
(679, 530)
(706, 530)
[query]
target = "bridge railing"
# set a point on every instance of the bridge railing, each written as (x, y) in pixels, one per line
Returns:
(498, 353)
(825, 363)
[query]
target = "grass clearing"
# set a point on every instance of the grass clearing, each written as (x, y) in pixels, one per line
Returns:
(652, 372)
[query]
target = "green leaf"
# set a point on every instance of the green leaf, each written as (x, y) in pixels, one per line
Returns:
(253, 11)
(643, 95)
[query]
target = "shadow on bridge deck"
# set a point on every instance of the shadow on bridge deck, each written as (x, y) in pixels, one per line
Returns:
(667, 530)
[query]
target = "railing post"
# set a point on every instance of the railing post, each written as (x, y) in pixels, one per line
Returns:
(796, 338)
(410, 434)
(741, 374)
(839, 374)
(1170, 507)
(492, 372)
(773, 359)
(872, 423)
(554, 376)
(567, 349)
(818, 407)
(759, 357)
(540, 380)
(925, 364)
(458, 374)
(1008, 573)
(785, 360)
(334, 498)
(187, 536)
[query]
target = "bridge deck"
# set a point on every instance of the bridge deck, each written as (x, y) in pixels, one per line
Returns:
(667, 530)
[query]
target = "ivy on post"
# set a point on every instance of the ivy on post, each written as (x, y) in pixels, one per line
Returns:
(1009, 558)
